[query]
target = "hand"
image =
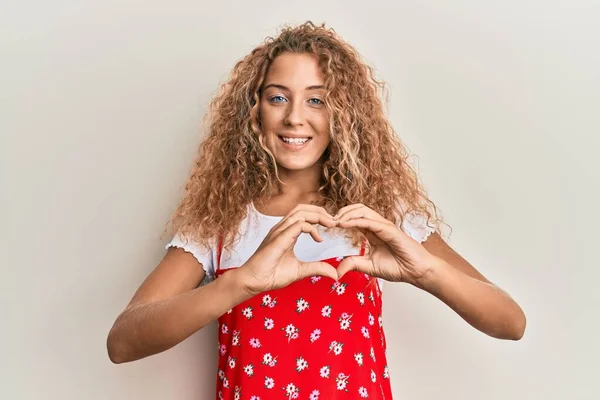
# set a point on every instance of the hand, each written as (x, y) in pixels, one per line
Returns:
(393, 255)
(274, 264)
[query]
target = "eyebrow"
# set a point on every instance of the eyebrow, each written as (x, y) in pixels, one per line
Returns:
(275, 85)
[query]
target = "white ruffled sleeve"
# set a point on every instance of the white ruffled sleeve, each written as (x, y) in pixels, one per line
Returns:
(203, 254)
(416, 226)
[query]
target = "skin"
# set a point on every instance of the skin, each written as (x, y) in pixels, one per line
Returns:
(292, 104)
(169, 305)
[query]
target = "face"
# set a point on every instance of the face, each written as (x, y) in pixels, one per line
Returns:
(293, 115)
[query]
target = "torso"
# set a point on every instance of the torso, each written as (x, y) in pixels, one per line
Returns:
(314, 339)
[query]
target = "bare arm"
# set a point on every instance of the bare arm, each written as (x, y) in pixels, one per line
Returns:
(169, 307)
(486, 307)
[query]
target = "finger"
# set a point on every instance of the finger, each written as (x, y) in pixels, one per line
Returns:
(384, 231)
(356, 263)
(317, 268)
(307, 216)
(345, 209)
(362, 212)
(309, 207)
(301, 208)
(288, 237)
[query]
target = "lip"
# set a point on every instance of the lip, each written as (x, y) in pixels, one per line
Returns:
(293, 147)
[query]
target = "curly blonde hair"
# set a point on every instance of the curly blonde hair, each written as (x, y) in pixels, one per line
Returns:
(365, 161)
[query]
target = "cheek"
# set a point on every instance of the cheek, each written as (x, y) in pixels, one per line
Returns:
(269, 118)
(321, 124)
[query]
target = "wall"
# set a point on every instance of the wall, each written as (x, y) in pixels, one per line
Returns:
(100, 107)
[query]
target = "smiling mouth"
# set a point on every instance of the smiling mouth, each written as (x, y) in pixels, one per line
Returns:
(295, 141)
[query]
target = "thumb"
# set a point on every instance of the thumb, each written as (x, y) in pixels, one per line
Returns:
(356, 263)
(317, 268)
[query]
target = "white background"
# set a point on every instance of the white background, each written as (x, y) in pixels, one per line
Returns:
(100, 107)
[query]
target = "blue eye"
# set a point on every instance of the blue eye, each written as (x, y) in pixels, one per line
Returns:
(315, 101)
(277, 99)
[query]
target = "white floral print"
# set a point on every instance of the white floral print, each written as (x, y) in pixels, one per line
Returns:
(315, 335)
(269, 360)
(336, 348)
(345, 321)
(259, 342)
(269, 324)
(342, 381)
(266, 300)
(361, 298)
(339, 288)
(301, 364)
(362, 391)
(291, 332)
(365, 332)
(247, 312)
(292, 391)
(301, 305)
(269, 382)
(359, 358)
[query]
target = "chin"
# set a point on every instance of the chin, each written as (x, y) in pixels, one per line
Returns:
(293, 165)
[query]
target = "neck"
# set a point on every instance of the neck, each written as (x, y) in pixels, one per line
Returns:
(300, 183)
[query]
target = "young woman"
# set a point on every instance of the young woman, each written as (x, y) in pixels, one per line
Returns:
(299, 143)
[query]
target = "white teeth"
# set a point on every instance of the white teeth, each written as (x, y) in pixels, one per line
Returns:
(295, 141)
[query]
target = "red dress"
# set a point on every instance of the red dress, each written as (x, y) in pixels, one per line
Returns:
(314, 339)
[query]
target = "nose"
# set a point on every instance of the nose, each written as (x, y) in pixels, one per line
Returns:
(294, 114)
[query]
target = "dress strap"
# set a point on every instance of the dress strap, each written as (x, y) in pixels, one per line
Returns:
(363, 247)
(219, 251)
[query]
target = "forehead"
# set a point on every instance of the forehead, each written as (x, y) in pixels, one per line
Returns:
(295, 71)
